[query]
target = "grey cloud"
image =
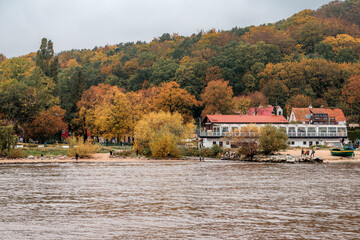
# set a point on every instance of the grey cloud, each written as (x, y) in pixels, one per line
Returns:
(89, 23)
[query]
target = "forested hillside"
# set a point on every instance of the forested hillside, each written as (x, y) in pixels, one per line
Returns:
(311, 57)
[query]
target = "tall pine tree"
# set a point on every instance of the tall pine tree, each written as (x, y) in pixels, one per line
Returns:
(46, 59)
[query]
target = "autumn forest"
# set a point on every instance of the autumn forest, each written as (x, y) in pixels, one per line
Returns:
(312, 57)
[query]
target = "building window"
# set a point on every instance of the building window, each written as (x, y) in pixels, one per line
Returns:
(317, 142)
(304, 143)
(310, 143)
(225, 129)
(214, 143)
(291, 129)
(221, 144)
(292, 143)
(227, 143)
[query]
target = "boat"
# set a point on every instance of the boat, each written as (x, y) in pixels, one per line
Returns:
(345, 152)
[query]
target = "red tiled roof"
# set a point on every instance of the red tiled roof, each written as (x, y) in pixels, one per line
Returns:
(319, 110)
(300, 113)
(261, 119)
(267, 111)
(337, 113)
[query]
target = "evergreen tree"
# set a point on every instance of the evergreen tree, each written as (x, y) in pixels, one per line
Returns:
(46, 60)
(77, 89)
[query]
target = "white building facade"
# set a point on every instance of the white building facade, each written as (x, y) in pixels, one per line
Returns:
(317, 128)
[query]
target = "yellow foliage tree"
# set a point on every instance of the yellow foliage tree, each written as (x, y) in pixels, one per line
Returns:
(158, 134)
(163, 143)
(343, 40)
(112, 118)
(241, 104)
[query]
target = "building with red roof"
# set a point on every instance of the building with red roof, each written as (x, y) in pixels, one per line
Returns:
(310, 115)
(305, 127)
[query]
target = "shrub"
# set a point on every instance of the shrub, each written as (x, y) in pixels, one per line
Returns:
(15, 153)
(123, 153)
(30, 145)
(191, 152)
(85, 150)
(215, 151)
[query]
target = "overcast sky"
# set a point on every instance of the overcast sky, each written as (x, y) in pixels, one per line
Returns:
(78, 24)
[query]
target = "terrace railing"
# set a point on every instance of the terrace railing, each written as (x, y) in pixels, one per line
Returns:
(290, 134)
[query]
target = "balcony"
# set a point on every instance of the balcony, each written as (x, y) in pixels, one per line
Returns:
(290, 134)
(315, 134)
(227, 134)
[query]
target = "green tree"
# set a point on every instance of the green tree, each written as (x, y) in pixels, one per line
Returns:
(346, 55)
(163, 70)
(325, 50)
(71, 86)
(272, 139)
(8, 139)
(46, 59)
(11, 101)
(191, 77)
(276, 92)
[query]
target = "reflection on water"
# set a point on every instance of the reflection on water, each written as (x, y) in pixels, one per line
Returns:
(180, 200)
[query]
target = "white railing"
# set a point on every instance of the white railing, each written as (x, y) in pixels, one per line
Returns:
(227, 134)
(290, 134)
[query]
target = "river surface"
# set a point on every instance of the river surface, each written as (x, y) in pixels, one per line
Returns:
(187, 200)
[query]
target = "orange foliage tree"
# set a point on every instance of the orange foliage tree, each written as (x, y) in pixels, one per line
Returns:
(48, 123)
(270, 35)
(217, 98)
(257, 99)
(90, 99)
(172, 98)
(212, 73)
(351, 92)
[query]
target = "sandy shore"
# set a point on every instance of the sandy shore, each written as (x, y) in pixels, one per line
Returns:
(325, 155)
(104, 157)
(97, 158)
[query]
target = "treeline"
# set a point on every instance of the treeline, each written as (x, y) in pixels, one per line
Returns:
(311, 57)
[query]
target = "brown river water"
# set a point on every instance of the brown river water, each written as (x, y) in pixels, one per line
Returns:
(182, 200)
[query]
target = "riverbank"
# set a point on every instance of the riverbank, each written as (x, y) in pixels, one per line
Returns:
(104, 157)
(97, 158)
